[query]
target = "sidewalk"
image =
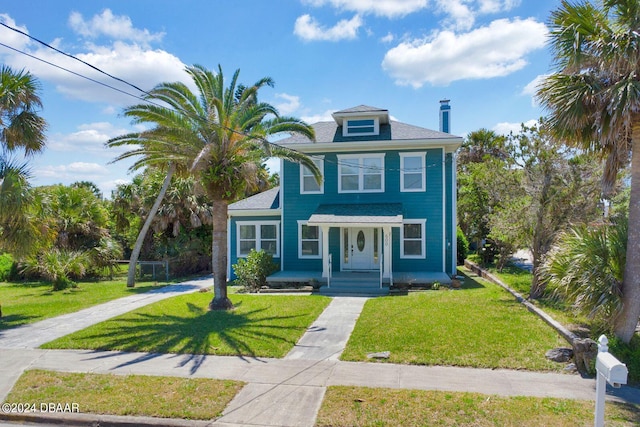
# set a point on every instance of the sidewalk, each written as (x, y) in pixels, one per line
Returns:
(289, 391)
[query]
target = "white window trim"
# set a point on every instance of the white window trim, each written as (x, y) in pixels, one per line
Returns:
(345, 126)
(423, 157)
(257, 224)
(343, 157)
(300, 255)
(320, 160)
(422, 222)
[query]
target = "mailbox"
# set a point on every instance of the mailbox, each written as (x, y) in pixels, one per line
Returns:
(612, 369)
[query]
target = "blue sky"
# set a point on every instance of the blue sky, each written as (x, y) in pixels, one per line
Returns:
(324, 55)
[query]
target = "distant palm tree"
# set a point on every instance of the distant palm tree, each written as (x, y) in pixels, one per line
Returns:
(594, 101)
(21, 128)
(219, 136)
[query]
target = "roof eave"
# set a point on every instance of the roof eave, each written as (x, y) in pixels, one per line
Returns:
(450, 145)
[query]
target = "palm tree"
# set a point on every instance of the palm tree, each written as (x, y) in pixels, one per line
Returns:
(594, 103)
(21, 128)
(586, 265)
(219, 135)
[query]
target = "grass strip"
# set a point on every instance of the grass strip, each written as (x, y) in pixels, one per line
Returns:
(361, 406)
(259, 326)
(29, 302)
(479, 326)
(134, 395)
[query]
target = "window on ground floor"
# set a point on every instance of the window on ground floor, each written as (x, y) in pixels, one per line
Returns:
(412, 239)
(262, 235)
(309, 241)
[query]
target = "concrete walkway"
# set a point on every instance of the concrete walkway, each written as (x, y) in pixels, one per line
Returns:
(279, 392)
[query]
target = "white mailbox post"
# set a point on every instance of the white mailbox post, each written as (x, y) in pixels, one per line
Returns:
(608, 370)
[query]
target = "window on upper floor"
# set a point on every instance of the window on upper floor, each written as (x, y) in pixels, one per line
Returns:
(262, 235)
(412, 239)
(362, 173)
(309, 241)
(308, 184)
(412, 172)
(360, 127)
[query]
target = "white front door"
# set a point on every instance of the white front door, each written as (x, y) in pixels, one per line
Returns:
(359, 247)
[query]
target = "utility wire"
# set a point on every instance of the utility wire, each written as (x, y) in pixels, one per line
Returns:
(149, 101)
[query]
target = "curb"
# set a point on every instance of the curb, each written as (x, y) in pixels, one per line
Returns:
(560, 329)
(101, 420)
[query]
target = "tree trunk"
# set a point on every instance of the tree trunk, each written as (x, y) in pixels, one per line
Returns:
(627, 320)
(220, 300)
(135, 253)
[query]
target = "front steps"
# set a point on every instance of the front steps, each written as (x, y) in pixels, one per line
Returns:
(355, 284)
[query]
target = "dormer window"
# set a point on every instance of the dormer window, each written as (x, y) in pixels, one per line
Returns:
(360, 127)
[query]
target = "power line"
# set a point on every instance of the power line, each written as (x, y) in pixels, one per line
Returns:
(150, 101)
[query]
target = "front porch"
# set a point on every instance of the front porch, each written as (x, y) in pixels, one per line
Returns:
(359, 282)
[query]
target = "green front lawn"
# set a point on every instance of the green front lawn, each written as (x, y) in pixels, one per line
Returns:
(260, 325)
(30, 302)
(360, 406)
(135, 395)
(479, 326)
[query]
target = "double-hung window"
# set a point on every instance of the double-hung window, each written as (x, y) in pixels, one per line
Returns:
(258, 236)
(308, 184)
(412, 239)
(309, 241)
(412, 172)
(361, 173)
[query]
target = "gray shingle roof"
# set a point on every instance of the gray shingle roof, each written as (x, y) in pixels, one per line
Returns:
(394, 131)
(360, 109)
(269, 199)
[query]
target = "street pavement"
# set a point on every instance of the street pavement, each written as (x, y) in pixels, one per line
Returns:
(279, 392)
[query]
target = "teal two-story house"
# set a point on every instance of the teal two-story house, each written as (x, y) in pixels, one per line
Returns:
(385, 212)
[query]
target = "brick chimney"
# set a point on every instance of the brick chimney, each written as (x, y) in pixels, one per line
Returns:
(445, 116)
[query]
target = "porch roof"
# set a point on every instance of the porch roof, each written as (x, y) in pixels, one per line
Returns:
(374, 214)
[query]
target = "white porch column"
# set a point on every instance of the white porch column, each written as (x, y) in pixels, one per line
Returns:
(386, 250)
(325, 250)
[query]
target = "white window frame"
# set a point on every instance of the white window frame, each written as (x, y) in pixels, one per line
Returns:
(300, 255)
(257, 225)
(319, 161)
(346, 127)
(422, 223)
(423, 157)
(361, 171)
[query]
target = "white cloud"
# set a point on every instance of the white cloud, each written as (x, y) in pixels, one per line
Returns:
(112, 26)
(75, 170)
(460, 14)
(504, 128)
(322, 117)
(492, 51)
(291, 103)
(10, 37)
(133, 62)
(307, 28)
(497, 6)
(89, 138)
(532, 87)
(388, 38)
(387, 8)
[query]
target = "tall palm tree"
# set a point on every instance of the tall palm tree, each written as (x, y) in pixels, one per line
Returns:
(220, 136)
(594, 102)
(21, 128)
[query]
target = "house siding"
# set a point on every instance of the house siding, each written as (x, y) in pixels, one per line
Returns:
(416, 205)
(450, 232)
(233, 237)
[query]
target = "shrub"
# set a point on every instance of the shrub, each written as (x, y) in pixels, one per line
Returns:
(252, 272)
(58, 267)
(462, 246)
(7, 267)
